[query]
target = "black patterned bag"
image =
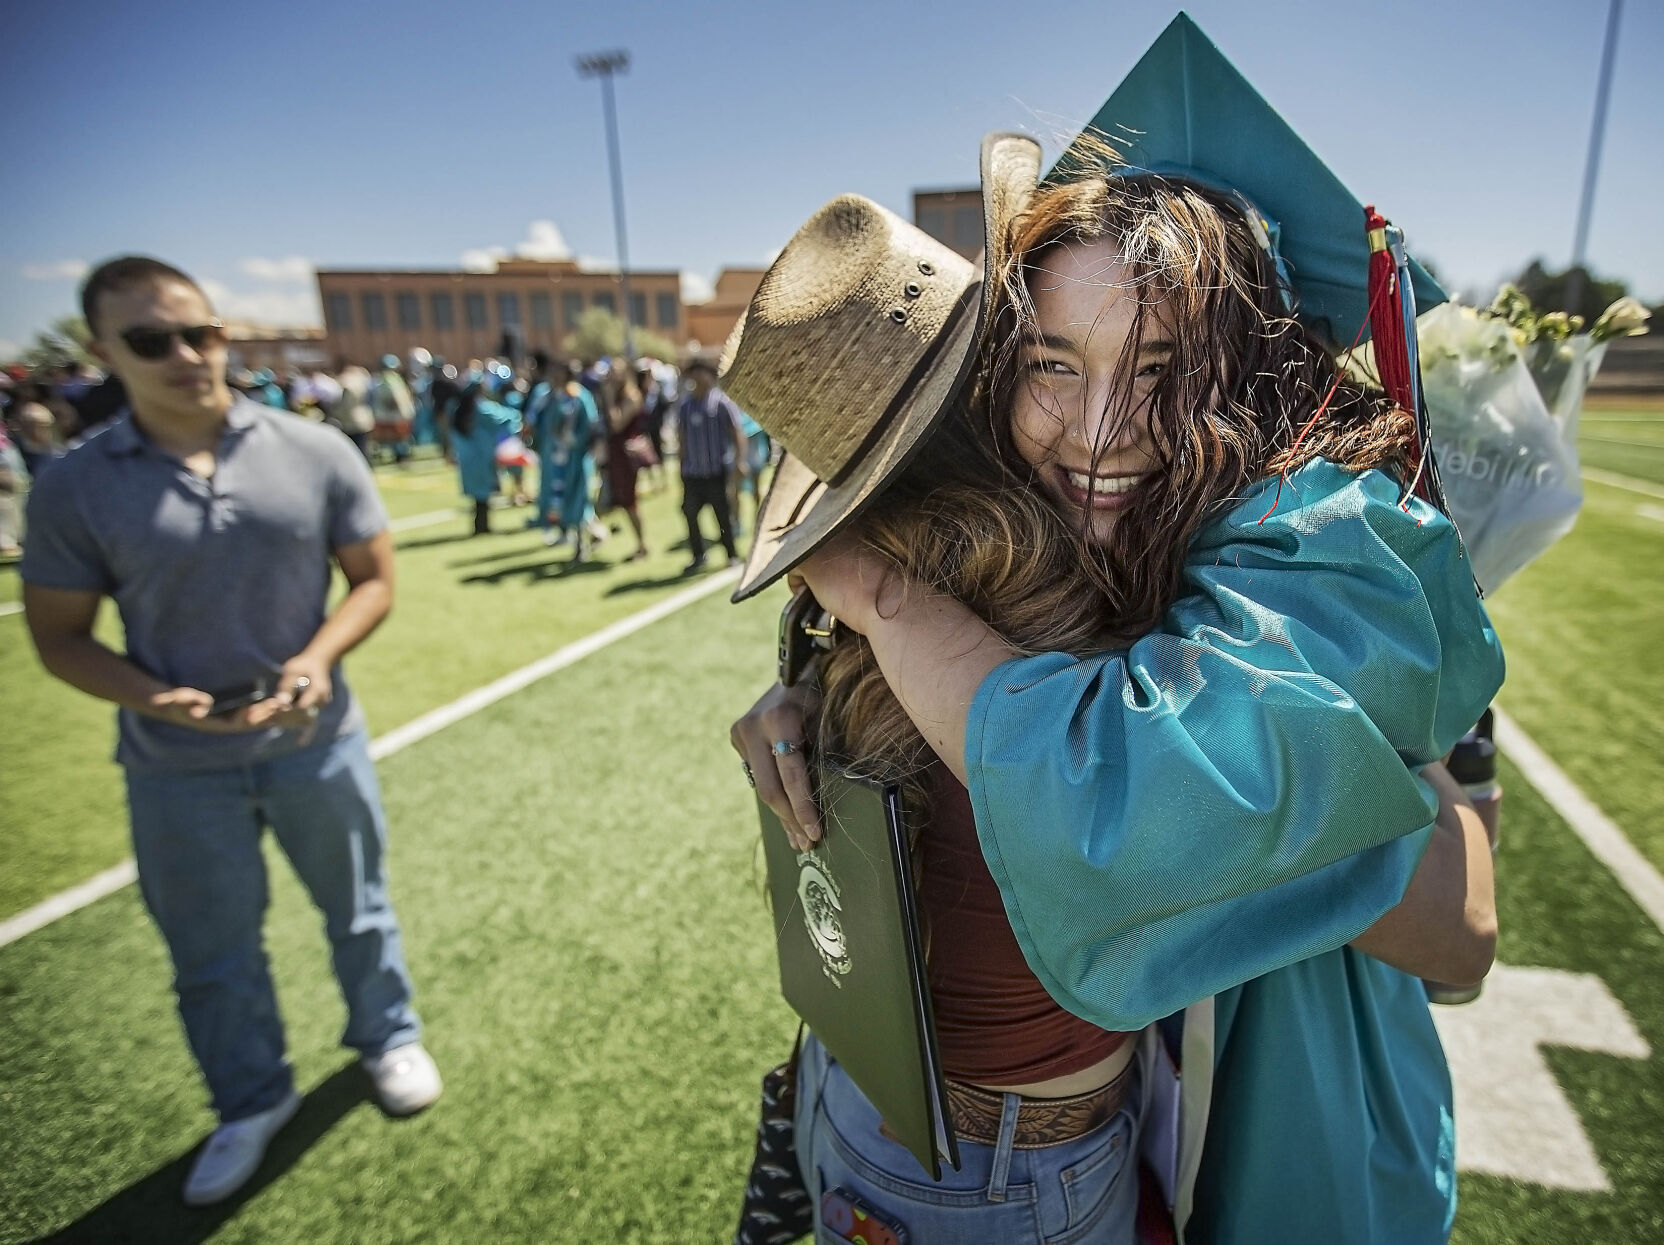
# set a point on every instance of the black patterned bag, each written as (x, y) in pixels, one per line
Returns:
(777, 1208)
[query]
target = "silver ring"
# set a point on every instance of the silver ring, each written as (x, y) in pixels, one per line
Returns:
(785, 747)
(302, 683)
(749, 776)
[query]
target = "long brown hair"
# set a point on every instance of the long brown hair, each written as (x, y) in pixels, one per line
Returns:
(1243, 398)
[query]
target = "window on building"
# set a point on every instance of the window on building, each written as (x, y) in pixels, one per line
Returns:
(572, 310)
(934, 221)
(338, 312)
(967, 228)
(473, 309)
(607, 302)
(508, 310)
(444, 312)
(667, 310)
(409, 309)
(543, 312)
(638, 309)
(375, 311)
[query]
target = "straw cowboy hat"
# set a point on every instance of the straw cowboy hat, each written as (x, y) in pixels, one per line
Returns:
(859, 340)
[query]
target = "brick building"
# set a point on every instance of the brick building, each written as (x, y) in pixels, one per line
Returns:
(710, 322)
(952, 217)
(463, 315)
(257, 346)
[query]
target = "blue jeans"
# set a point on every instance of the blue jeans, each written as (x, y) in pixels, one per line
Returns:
(1085, 1190)
(196, 839)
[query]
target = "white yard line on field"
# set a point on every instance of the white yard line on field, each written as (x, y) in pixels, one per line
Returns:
(112, 880)
(65, 902)
(423, 520)
(11, 607)
(1600, 834)
(1613, 480)
(1650, 512)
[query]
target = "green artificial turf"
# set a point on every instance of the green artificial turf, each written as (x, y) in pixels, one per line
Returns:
(1582, 629)
(1559, 908)
(575, 872)
(1628, 440)
(469, 610)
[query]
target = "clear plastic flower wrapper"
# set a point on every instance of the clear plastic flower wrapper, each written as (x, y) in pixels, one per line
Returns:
(1504, 389)
(1508, 463)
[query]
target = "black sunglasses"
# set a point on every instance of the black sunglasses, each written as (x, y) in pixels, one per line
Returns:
(158, 343)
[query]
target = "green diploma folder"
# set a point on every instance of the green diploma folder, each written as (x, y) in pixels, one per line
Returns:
(846, 927)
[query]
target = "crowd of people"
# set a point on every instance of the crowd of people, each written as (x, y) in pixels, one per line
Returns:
(591, 429)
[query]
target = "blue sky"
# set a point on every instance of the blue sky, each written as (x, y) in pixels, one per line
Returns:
(249, 142)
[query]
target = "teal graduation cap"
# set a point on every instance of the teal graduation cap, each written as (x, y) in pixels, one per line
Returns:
(1186, 111)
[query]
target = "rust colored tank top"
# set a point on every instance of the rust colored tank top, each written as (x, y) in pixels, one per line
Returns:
(995, 1023)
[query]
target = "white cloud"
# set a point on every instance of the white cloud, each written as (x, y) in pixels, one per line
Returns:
(482, 258)
(57, 270)
(543, 241)
(291, 269)
(278, 308)
(695, 289)
(595, 263)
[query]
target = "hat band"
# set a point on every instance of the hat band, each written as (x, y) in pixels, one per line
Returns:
(904, 391)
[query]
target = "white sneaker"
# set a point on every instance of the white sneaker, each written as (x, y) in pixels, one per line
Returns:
(551, 537)
(234, 1152)
(405, 1078)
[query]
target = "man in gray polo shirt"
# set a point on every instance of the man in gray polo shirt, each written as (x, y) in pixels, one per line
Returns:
(212, 522)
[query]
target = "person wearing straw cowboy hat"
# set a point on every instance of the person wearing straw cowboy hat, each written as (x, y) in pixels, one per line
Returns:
(1213, 790)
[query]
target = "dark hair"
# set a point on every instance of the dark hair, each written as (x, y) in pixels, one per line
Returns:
(123, 271)
(467, 405)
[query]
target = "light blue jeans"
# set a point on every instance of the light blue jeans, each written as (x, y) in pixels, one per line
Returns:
(196, 839)
(1085, 1190)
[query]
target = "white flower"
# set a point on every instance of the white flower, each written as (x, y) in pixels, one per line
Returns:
(1624, 318)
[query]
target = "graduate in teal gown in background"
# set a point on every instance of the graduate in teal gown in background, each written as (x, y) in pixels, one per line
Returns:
(576, 425)
(478, 425)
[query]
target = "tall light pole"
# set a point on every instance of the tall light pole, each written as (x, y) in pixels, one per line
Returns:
(1591, 167)
(604, 65)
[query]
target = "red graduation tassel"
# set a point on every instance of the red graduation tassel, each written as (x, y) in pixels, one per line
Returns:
(1387, 328)
(1386, 316)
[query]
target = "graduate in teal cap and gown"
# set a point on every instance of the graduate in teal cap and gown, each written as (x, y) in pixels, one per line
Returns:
(478, 425)
(1225, 809)
(565, 424)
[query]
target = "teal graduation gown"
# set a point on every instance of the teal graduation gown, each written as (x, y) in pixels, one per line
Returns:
(476, 453)
(1234, 798)
(578, 422)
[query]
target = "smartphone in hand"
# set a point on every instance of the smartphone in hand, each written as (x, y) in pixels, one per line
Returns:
(230, 699)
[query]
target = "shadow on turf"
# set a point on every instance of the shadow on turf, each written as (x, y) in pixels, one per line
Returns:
(664, 581)
(428, 542)
(150, 1209)
(502, 555)
(550, 568)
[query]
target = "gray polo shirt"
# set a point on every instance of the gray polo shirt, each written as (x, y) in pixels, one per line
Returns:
(218, 581)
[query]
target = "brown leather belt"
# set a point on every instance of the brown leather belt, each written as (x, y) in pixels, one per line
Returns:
(1041, 1122)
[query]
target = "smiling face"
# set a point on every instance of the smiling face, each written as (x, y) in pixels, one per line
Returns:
(1080, 412)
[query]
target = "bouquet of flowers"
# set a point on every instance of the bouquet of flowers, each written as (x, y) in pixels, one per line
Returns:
(1504, 387)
